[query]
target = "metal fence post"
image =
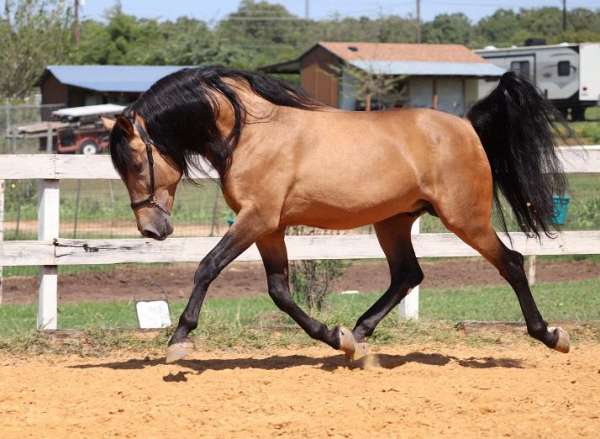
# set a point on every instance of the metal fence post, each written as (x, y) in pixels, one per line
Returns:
(48, 228)
(409, 307)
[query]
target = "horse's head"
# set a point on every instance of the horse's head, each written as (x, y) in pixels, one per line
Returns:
(150, 177)
(192, 113)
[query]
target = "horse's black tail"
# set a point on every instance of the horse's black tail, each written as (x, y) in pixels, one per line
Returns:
(517, 127)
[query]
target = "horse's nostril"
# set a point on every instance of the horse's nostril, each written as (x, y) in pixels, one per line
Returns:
(149, 232)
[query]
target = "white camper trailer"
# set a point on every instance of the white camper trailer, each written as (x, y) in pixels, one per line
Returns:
(568, 74)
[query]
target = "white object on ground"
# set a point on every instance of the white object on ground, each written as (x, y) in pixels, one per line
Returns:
(153, 314)
(350, 292)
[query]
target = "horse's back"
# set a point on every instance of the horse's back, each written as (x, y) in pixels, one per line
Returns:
(359, 167)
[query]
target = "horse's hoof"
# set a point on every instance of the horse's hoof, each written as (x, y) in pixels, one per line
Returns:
(361, 351)
(177, 351)
(563, 343)
(347, 342)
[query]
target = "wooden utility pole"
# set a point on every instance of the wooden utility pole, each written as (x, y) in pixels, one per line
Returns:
(76, 29)
(418, 22)
(307, 9)
(564, 16)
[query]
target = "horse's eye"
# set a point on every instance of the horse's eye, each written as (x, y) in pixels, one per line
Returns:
(137, 168)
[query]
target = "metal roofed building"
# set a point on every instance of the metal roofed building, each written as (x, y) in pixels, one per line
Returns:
(443, 76)
(76, 86)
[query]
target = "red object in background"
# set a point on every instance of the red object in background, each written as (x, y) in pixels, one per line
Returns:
(84, 140)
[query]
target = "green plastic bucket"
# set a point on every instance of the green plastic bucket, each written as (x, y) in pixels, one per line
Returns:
(561, 208)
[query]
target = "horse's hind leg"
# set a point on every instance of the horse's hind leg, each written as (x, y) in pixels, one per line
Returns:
(473, 226)
(274, 255)
(395, 240)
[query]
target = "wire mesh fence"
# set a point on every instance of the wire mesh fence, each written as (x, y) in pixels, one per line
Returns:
(14, 117)
(100, 209)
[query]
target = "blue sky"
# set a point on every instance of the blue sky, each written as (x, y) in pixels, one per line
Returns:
(215, 10)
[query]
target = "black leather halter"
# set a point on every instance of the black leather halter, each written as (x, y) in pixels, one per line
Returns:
(151, 199)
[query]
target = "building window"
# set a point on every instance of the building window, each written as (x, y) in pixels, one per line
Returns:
(564, 68)
(521, 68)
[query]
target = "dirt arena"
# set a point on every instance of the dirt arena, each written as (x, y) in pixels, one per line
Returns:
(514, 389)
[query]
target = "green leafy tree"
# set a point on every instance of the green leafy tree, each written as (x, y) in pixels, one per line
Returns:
(448, 28)
(497, 29)
(33, 34)
(260, 33)
(188, 42)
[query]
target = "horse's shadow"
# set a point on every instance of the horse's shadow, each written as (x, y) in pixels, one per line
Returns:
(278, 362)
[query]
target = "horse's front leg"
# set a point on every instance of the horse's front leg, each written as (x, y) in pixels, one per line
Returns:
(274, 255)
(238, 238)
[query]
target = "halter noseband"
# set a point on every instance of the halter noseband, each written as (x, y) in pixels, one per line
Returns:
(151, 199)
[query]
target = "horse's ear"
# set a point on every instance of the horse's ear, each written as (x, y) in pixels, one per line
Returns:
(125, 124)
(108, 123)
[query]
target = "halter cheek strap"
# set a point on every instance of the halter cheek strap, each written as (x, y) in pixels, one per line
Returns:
(151, 199)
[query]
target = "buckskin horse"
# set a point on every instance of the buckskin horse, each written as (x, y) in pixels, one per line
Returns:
(284, 159)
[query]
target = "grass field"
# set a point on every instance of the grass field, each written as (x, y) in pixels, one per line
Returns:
(256, 322)
(101, 203)
(588, 131)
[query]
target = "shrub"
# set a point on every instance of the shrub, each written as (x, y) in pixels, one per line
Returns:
(311, 281)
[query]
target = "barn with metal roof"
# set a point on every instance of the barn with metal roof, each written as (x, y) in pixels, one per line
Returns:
(442, 76)
(75, 86)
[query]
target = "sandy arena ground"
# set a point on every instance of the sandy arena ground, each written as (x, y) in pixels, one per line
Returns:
(509, 390)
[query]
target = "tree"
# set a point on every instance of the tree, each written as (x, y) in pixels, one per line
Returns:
(188, 42)
(33, 34)
(497, 29)
(448, 28)
(261, 32)
(373, 90)
(538, 23)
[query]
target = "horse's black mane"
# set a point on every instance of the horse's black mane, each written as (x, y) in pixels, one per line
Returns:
(181, 111)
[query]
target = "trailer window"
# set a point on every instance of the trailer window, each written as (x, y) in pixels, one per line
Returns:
(564, 68)
(521, 68)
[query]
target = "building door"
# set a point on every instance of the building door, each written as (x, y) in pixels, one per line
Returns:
(420, 91)
(451, 95)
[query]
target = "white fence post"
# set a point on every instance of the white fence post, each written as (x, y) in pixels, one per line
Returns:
(48, 227)
(531, 269)
(409, 307)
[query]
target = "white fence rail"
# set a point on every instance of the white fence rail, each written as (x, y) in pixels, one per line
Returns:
(50, 251)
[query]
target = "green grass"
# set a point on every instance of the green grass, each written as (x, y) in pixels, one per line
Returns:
(584, 208)
(256, 321)
(105, 201)
(75, 269)
(588, 131)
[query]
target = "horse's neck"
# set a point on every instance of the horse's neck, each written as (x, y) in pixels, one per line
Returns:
(257, 110)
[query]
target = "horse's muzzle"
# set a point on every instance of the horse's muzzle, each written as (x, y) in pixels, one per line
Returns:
(158, 230)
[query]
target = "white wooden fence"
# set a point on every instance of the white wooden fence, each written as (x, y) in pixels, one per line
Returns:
(49, 250)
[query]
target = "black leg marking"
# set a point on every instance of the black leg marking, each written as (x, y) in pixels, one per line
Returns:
(274, 255)
(394, 236)
(512, 270)
(237, 239)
